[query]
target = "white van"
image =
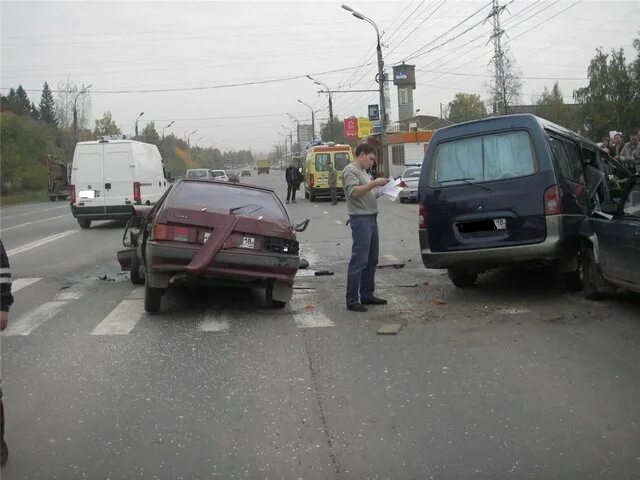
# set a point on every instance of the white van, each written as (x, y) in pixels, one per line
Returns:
(108, 177)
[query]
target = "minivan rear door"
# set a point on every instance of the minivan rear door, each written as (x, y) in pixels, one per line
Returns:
(485, 191)
(87, 175)
(118, 174)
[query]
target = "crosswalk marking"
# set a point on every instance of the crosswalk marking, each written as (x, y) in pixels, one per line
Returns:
(339, 222)
(28, 322)
(21, 283)
(122, 319)
(308, 315)
(212, 322)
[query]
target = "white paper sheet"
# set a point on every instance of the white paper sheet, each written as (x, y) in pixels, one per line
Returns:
(391, 190)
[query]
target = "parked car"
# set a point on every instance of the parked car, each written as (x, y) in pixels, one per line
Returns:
(109, 177)
(234, 176)
(211, 233)
(220, 175)
(410, 178)
(246, 172)
(610, 250)
(505, 190)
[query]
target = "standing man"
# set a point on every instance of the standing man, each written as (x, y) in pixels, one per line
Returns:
(333, 183)
(291, 175)
(363, 218)
(630, 154)
(5, 303)
(616, 147)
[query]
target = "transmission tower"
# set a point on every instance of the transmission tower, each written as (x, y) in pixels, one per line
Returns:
(500, 85)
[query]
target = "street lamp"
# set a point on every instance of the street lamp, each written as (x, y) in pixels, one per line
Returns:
(295, 119)
(141, 113)
(290, 141)
(383, 113)
(75, 109)
(167, 126)
(328, 90)
(313, 119)
(189, 145)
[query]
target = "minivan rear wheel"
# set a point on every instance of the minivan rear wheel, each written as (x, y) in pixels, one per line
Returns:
(461, 277)
(152, 298)
(84, 223)
(591, 277)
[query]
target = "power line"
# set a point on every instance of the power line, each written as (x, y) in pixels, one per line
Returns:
(546, 20)
(417, 26)
(452, 72)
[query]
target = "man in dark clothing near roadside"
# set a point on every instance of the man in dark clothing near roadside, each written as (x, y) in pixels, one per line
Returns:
(616, 146)
(333, 184)
(292, 176)
(359, 191)
(7, 300)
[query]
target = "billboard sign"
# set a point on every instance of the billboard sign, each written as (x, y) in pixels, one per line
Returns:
(351, 127)
(374, 112)
(404, 75)
(365, 127)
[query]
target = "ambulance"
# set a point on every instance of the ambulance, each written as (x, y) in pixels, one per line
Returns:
(316, 168)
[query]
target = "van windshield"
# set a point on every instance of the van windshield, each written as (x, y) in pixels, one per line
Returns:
(483, 159)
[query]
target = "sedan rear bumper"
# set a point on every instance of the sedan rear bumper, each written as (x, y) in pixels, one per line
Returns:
(232, 265)
(552, 247)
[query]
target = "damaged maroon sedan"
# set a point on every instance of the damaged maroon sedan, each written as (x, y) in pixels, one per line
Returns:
(210, 233)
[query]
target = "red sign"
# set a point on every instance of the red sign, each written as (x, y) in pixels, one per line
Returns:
(351, 127)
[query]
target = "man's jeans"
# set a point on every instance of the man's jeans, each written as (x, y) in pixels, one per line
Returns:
(334, 196)
(291, 191)
(364, 258)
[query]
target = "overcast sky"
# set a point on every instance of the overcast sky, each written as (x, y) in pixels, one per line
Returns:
(188, 45)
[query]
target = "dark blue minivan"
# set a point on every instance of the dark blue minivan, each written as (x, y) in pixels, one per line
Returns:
(504, 190)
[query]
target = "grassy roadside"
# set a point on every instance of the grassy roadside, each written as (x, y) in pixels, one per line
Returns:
(23, 197)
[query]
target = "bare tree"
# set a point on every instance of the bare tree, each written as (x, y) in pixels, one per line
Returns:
(67, 92)
(506, 87)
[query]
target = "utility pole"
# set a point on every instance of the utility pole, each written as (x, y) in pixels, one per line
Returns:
(327, 90)
(75, 110)
(313, 119)
(500, 86)
(142, 113)
(297, 130)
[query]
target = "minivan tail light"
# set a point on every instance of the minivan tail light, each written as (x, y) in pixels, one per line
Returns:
(422, 217)
(137, 194)
(170, 233)
(552, 201)
(72, 193)
(312, 180)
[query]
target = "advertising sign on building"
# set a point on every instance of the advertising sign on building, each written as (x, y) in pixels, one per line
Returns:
(374, 112)
(351, 127)
(365, 127)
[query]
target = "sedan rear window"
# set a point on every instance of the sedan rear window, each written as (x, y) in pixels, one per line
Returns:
(483, 159)
(197, 174)
(219, 196)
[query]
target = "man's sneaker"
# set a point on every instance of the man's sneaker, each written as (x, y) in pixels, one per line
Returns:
(356, 307)
(287, 201)
(373, 301)
(4, 453)
(293, 201)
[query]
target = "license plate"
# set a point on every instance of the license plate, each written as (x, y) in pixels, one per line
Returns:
(500, 223)
(248, 242)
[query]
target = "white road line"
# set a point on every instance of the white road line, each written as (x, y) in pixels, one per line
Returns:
(21, 283)
(28, 322)
(213, 322)
(325, 212)
(39, 243)
(339, 222)
(307, 314)
(392, 259)
(317, 206)
(6, 229)
(122, 319)
(34, 212)
(305, 273)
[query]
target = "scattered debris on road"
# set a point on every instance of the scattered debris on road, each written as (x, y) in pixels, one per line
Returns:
(304, 263)
(389, 329)
(390, 264)
(438, 301)
(323, 273)
(408, 285)
(106, 278)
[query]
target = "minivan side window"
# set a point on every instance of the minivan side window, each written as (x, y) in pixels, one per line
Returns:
(569, 162)
(485, 158)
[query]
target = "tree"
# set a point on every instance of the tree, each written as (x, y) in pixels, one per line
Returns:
(67, 92)
(149, 134)
(47, 106)
(465, 107)
(608, 100)
(106, 126)
(505, 91)
(17, 101)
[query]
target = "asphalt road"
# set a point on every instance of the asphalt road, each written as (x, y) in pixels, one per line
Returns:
(513, 379)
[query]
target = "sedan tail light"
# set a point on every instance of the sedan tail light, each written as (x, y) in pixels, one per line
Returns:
(137, 194)
(72, 193)
(422, 217)
(170, 233)
(552, 201)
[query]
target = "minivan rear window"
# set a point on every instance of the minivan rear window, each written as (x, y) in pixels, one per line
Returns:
(484, 158)
(341, 160)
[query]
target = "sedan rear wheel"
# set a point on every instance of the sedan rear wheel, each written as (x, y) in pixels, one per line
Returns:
(152, 298)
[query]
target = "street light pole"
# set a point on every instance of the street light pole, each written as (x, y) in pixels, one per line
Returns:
(189, 147)
(313, 120)
(383, 112)
(75, 110)
(297, 130)
(141, 113)
(328, 90)
(167, 126)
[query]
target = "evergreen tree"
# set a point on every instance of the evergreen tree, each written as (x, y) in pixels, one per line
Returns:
(22, 103)
(48, 106)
